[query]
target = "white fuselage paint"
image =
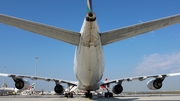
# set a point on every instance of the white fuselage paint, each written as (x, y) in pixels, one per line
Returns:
(88, 62)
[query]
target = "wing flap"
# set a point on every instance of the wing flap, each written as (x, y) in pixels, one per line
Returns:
(130, 31)
(45, 30)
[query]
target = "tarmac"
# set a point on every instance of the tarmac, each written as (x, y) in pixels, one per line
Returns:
(95, 98)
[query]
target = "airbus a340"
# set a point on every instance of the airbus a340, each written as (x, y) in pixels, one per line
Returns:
(88, 61)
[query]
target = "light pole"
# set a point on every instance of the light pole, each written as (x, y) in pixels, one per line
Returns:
(36, 65)
(3, 77)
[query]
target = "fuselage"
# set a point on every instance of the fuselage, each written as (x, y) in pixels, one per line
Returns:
(88, 62)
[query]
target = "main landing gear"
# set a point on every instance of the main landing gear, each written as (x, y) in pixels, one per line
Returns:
(69, 95)
(88, 94)
(108, 94)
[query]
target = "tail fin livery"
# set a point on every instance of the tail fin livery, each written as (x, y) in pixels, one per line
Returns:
(102, 87)
(89, 5)
(31, 87)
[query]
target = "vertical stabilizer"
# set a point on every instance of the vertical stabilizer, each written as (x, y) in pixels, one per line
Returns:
(31, 87)
(90, 15)
(89, 5)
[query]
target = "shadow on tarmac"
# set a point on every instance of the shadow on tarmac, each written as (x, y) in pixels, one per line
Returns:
(113, 99)
(95, 98)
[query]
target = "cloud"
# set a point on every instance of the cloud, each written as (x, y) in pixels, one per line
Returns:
(159, 63)
(140, 21)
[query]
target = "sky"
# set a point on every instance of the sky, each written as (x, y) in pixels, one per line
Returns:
(156, 52)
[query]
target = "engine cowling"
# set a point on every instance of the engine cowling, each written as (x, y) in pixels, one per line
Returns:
(59, 89)
(154, 84)
(22, 84)
(117, 89)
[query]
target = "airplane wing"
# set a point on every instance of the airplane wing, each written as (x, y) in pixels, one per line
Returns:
(130, 31)
(57, 81)
(140, 78)
(49, 31)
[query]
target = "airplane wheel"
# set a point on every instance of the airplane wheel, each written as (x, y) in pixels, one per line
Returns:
(71, 95)
(90, 95)
(86, 95)
(66, 95)
(110, 95)
(106, 95)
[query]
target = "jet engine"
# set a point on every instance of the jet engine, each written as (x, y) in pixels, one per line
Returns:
(59, 89)
(117, 89)
(154, 84)
(22, 84)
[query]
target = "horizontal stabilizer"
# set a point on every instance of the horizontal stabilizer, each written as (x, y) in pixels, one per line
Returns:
(45, 30)
(130, 31)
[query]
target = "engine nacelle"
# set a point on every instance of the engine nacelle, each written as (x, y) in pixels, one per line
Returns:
(117, 89)
(22, 84)
(154, 84)
(59, 89)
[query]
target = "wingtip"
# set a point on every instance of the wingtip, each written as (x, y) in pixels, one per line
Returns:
(174, 74)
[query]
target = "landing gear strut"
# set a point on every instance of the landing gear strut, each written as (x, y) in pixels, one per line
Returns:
(88, 94)
(108, 94)
(69, 94)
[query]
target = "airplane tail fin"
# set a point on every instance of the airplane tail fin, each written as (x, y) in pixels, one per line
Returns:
(89, 5)
(32, 86)
(90, 15)
(103, 87)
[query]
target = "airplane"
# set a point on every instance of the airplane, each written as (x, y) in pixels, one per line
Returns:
(29, 90)
(27, 87)
(88, 60)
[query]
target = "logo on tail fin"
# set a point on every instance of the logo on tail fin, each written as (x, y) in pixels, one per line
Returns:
(32, 86)
(102, 87)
